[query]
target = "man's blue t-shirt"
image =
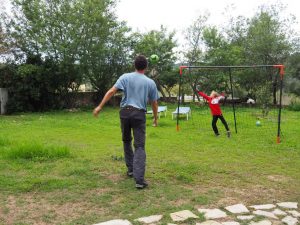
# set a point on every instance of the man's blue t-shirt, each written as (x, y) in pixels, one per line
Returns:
(138, 90)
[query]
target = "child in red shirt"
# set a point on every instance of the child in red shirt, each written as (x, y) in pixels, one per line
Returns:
(213, 101)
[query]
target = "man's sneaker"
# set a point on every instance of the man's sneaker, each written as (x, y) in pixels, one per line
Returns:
(141, 185)
(129, 174)
(228, 134)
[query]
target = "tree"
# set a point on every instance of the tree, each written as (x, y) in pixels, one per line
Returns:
(268, 43)
(193, 50)
(3, 47)
(82, 37)
(161, 43)
(293, 70)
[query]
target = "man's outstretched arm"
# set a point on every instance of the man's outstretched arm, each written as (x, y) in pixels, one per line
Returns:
(111, 92)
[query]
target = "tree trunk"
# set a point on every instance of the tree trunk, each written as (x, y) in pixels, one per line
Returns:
(195, 93)
(159, 87)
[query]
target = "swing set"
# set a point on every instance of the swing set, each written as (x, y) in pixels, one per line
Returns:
(229, 69)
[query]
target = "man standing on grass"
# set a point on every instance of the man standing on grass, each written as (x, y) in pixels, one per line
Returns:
(138, 89)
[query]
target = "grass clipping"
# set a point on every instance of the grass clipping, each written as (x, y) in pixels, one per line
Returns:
(37, 151)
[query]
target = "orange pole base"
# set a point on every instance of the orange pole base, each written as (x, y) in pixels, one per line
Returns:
(278, 140)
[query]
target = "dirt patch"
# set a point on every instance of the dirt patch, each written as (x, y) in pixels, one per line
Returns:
(48, 208)
(248, 195)
(255, 194)
(278, 178)
(115, 177)
(180, 202)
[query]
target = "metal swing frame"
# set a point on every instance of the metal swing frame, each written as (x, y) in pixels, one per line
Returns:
(280, 68)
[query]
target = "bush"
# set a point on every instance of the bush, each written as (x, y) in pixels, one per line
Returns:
(294, 106)
(38, 85)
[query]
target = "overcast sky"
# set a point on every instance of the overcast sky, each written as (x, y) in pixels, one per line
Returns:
(145, 15)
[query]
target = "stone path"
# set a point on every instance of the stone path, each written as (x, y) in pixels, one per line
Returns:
(286, 213)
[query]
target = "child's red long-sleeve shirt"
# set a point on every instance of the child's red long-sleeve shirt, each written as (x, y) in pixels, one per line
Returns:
(213, 103)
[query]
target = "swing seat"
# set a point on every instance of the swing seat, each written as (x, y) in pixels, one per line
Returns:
(182, 110)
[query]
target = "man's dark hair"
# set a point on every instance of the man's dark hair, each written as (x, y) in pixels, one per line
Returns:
(140, 62)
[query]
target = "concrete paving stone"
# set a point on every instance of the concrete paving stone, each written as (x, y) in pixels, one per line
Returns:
(277, 222)
(279, 212)
(115, 222)
(262, 222)
(171, 224)
(182, 215)
(209, 222)
(213, 213)
(230, 223)
(150, 219)
(294, 213)
(266, 206)
(265, 214)
(289, 220)
(236, 209)
(288, 205)
(246, 217)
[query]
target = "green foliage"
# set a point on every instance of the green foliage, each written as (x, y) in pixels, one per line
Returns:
(3, 47)
(294, 106)
(293, 74)
(83, 38)
(194, 38)
(162, 43)
(36, 85)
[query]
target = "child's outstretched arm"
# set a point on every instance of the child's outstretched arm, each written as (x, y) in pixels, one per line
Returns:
(203, 95)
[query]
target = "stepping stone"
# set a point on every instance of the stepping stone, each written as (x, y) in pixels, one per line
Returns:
(266, 206)
(265, 214)
(182, 215)
(230, 223)
(263, 222)
(150, 219)
(172, 224)
(249, 217)
(288, 205)
(236, 209)
(213, 213)
(279, 212)
(294, 213)
(289, 220)
(209, 222)
(115, 222)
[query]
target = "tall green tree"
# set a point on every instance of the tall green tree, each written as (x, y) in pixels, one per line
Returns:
(268, 43)
(3, 47)
(162, 43)
(194, 51)
(293, 71)
(83, 37)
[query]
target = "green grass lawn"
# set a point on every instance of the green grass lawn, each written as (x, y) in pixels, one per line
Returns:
(67, 167)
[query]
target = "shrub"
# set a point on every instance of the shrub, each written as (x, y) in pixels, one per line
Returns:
(294, 106)
(38, 85)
